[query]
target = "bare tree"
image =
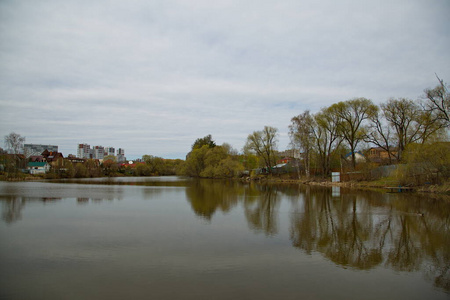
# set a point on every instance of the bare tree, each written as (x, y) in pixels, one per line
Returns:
(439, 101)
(379, 133)
(410, 122)
(264, 144)
(14, 143)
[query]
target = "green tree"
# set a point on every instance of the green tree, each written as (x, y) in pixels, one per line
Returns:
(195, 161)
(410, 123)
(427, 162)
(301, 134)
(200, 142)
(327, 138)
(173, 166)
(352, 114)
(92, 168)
(111, 158)
(403, 116)
(155, 164)
(70, 170)
(264, 144)
(142, 170)
(80, 170)
(110, 165)
(212, 160)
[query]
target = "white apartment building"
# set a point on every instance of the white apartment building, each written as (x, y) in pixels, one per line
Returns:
(84, 151)
(110, 151)
(121, 155)
(98, 152)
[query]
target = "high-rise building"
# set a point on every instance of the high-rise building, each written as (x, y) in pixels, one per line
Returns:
(99, 152)
(37, 149)
(110, 151)
(121, 155)
(84, 151)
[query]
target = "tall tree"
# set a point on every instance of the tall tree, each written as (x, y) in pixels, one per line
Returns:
(410, 122)
(380, 134)
(264, 144)
(200, 142)
(352, 114)
(301, 134)
(326, 136)
(14, 143)
(155, 164)
(402, 114)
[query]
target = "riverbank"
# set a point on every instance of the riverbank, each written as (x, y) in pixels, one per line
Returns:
(380, 184)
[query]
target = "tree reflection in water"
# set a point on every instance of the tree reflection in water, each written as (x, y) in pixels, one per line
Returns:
(12, 208)
(360, 230)
(206, 196)
(261, 208)
(365, 230)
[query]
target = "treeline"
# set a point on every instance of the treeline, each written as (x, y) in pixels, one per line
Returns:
(411, 132)
(402, 128)
(149, 166)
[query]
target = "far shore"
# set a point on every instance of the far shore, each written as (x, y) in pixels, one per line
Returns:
(380, 185)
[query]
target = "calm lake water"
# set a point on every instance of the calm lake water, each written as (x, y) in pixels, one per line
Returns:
(174, 238)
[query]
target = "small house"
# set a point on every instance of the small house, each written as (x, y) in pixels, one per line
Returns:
(359, 157)
(38, 167)
(380, 155)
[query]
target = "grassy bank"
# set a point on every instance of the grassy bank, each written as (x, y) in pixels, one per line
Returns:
(379, 184)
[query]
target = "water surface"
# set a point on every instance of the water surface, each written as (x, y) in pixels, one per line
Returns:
(174, 238)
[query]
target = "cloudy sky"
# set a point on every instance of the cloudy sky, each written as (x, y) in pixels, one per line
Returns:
(152, 76)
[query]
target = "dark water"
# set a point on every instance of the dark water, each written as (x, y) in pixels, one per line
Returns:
(169, 238)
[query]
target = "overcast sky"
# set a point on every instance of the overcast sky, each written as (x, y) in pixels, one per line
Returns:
(153, 76)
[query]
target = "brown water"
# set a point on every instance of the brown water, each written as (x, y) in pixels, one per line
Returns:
(171, 238)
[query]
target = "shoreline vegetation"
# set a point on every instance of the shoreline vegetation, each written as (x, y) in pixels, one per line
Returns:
(382, 184)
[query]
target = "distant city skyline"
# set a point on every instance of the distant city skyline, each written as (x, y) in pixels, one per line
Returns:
(99, 152)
